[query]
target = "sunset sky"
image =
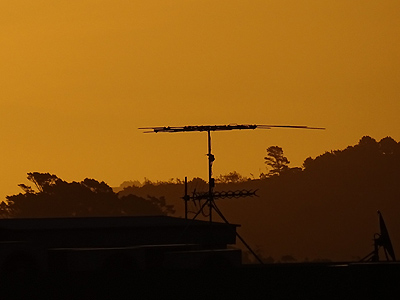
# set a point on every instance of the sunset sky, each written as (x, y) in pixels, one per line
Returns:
(79, 77)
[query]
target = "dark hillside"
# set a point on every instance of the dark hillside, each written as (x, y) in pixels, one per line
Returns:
(325, 211)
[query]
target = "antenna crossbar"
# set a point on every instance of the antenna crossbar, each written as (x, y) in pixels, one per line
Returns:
(209, 128)
(222, 195)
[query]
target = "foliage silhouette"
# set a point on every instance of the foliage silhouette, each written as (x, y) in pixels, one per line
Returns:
(325, 210)
(276, 160)
(233, 177)
(57, 198)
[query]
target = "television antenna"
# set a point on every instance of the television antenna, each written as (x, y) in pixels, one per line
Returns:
(211, 196)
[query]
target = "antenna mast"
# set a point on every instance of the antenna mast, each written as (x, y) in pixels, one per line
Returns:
(211, 196)
(211, 158)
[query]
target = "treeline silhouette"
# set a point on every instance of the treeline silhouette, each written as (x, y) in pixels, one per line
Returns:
(54, 197)
(325, 210)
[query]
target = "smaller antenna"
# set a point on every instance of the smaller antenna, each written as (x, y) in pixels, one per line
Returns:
(381, 239)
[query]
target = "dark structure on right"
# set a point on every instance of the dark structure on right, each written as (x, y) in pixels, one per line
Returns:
(381, 239)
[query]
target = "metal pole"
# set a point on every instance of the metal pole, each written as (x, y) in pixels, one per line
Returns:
(210, 179)
(186, 198)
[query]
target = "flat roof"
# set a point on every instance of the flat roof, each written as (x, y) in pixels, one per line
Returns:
(101, 222)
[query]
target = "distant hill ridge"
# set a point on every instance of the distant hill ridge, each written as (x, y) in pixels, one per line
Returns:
(325, 210)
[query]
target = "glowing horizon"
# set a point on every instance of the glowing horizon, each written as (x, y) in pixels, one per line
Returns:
(80, 78)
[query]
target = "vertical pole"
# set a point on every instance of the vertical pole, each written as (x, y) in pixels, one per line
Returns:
(210, 179)
(186, 198)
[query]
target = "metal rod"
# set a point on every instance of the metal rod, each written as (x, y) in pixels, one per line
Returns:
(210, 179)
(186, 198)
(238, 235)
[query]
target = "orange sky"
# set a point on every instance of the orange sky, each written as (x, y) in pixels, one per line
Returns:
(79, 77)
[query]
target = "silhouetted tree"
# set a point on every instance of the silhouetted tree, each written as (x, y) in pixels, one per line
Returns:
(388, 146)
(57, 198)
(232, 177)
(43, 181)
(324, 211)
(276, 160)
